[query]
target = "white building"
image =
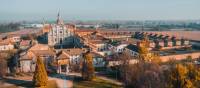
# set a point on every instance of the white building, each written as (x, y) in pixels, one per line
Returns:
(118, 48)
(59, 33)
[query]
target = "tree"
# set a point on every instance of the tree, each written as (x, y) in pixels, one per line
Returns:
(3, 67)
(141, 74)
(144, 53)
(143, 48)
(188, 84)
(40, 77)
(9, 27)
(189, 58)
(178, 76)
(124, 67)
(88, 72)
(182, 76)
(8, 60)
(194, 74)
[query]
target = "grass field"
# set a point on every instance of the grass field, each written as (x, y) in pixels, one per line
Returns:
(96, 83)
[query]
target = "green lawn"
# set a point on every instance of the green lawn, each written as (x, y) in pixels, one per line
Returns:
(96, 83)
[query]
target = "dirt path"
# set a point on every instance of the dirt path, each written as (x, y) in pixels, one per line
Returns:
(63, 81)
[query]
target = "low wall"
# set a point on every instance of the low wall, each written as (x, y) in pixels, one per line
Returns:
(194, 55)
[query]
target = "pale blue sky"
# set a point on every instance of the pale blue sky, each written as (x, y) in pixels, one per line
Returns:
(100, 9)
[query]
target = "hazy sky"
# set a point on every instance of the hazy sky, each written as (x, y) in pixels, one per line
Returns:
(99, 9)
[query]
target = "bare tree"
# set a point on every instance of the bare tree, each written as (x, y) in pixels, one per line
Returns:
(141, 74)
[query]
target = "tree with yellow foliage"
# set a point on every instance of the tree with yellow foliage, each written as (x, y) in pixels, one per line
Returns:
(88, 72)
(40, 77)
(194, 74)
(178, 76)
(144, 52)
(184, 76)
(143, 48)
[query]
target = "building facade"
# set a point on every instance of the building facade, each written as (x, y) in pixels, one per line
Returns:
(59, 33)
(6, 45)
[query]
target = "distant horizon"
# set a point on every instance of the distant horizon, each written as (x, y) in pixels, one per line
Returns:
(84, 10)
(76, 19)
(66, 20)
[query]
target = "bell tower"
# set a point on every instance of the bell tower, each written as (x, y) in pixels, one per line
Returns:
(59, 20)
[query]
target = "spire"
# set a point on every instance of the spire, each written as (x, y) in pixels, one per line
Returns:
(43, 21)
(58, 17)
(59, 20)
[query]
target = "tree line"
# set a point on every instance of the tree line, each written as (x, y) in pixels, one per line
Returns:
(10, 27)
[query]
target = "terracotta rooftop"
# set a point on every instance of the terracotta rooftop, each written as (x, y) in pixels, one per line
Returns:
(74, 51)
(62, 55)
(5, 42)
(117, 43)
(40, 47)
(13, 35)
(97, 41)
(43, 52)
(85, 30)
(46, 28)
(96, 55)
(93, 37)
(25, 42)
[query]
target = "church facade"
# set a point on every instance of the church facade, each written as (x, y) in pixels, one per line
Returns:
(59, 34)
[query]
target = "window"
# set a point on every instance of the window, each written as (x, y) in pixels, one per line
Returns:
(61, 41)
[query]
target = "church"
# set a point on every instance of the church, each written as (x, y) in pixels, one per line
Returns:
(59, 34)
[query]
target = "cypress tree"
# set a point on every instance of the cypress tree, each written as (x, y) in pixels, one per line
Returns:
(40, 77)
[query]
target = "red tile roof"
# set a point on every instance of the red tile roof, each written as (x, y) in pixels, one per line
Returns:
(25, 42)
